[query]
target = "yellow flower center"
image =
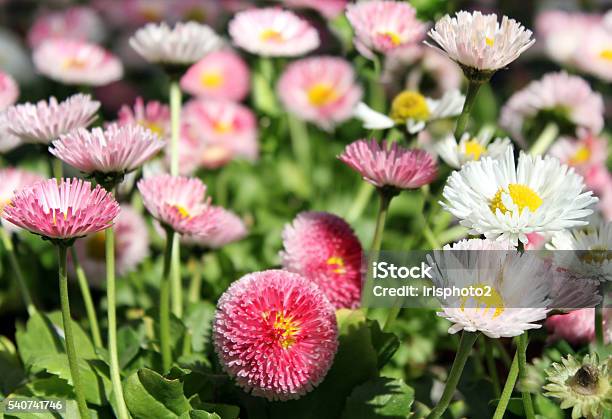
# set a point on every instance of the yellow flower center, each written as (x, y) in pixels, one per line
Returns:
(74, 63)
(4, 203)
(95, 246)
(391, 36)
(474, 149)
(321, 94)
(582, 155)
(490, 41)
(606, 54)
(223, 127)
(596, 255)
(182, 211)
(271, 35)
(212, 79)
(522, 196)
(490, 298)
(338, 265)
(153, 126)
(284, 329)
(409, 105)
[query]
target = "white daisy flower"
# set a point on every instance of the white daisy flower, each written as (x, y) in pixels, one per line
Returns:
(184, 44)
(413, 109)
(480, 42)
(509, 290)
(471, 148)
(504, 200)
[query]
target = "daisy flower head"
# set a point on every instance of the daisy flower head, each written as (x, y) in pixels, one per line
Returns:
(8, 140)
(329, 9)
(596, 57)
(9, 90)
(390, 166)
(323, 248)
(517, 287)
(276, 334)
(179, 203)
(45, 121)
(382, 26)
(72, 61)
(107, 154)
(152, 115)
(221, 75)
(131, 246)
(470, 148)
(586, 151)
(273, 32)
(78, 22)
(479, 43)
(12, 180)
(560, 97)
(506, 200)
(321, 90)
(577, 327)
(230, 228)
(62, 211)
(585, 386)
(180, 46)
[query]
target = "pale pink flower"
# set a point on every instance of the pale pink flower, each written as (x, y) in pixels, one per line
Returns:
(570, 96)
(152, 115)
(605, 201)
(578, 327)
(383, 26)
(114, 150)
(230, 228)
(535, 241)
(62, 211)
(323, 248)
(322, 90)
(131, 246)
(78, 22)
(390, 166)
(273, 32)
(179, 203)
(9, 90)
(595, 54)
(8, 140)
(219, 75)
(45, 121)
(328, 8)
(11, 180)
(276, 334)
(72, 61)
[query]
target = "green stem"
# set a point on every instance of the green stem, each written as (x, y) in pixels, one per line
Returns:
(599, 330)
(87, 300)
(164, 305)
(175, 125)
(23, 286)
(465, 347)
(547, 137)
(521, 350)
(470, 98)
(383, 209)
(176, 279)
(57, 168)
(507, 391)
(300, 142)
(112, 323)
(488, 346)
(69, 338)
(378, 98)
(195, 286)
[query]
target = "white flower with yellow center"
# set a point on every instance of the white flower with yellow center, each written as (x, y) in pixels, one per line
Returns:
(470, 148)
(502, 199)
(412, 109)
(507, 292)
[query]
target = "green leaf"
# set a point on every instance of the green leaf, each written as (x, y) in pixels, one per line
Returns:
(149, 395)
(384, 343)
(39, 338)
(379, 398)
(547, 408)
(128, 345)
(199, 414)
(198, 321)
(11, 371)
(264, 97)
(82, 342)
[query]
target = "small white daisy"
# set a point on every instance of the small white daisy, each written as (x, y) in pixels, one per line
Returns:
(184, 44)
(514, 288)
(480, 42)
(471, 148)
(505, 200)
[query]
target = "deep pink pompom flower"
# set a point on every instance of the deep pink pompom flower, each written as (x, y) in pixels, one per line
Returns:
(275, 332)
(323, 248)
(116, 149)
(179, 203)
(394, 166)
(62, 211)
(230, 228)
(153, 115)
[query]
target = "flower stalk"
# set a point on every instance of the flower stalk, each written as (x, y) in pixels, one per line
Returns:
(599, 329)
(175, 126)
(521, 350)
(164, 304)
(507, 391)
(87, 300)
(470, 98)
(23, 286)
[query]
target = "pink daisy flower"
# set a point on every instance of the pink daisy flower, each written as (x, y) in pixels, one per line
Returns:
(62, 211)
(78, 22)
(72, 61)
(219, 75)
(9, 91)
(276, 334)
(330, 9)
(595, 54)
(153, 115)
(587, 155)
(273, 32)
(230, 228)
(382, 26)
(320, 89)
(179, 203)
(390, 166)
(577, 327)
(8, 140)
(114, 150)
(45, 121)
(131, 246)
(12, 180)
(324, 249)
